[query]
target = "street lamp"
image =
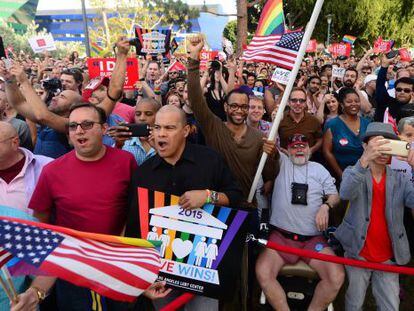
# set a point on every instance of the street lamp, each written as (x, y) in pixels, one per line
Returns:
(329, 19)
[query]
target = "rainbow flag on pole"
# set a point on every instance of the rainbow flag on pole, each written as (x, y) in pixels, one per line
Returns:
(96, 48)
(271, 20)
(349, 39)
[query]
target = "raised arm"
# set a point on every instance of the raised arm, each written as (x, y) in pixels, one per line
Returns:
(363, 61)
(28, 103)
(118, 78)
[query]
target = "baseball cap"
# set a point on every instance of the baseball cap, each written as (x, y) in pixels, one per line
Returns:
(92, 86)
(370, 78)
(296, 139)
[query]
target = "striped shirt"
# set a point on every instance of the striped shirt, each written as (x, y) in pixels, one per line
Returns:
(135, 147)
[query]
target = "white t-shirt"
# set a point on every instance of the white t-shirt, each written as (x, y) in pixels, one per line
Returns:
(296, 218)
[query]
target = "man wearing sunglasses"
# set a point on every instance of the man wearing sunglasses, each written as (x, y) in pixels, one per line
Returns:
(297, 120)
(299, 215)
(404, 92)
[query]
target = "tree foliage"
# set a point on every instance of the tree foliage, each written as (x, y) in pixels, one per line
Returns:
(230, 32)
(19, 41)
(365, 19)
(119, 19)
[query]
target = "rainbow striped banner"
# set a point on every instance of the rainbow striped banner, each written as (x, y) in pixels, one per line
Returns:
(198, 246)
(271, 20)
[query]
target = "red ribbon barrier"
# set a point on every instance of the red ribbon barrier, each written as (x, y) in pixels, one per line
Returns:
(185, 298)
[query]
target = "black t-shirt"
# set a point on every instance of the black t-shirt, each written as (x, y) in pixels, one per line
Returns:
(216, 105)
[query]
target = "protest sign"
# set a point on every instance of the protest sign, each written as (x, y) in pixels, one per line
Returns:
(338, 72)
(312, 46)
(281, 76)
(198, 246)
(340, 49)
(153, 41)
(42, 43)
(176, 66)
(100, 67)
(381, 46)
(405, 55)
(205, 57)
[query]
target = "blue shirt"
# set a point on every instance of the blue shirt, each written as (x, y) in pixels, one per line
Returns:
(346, 146)
(51, 143)
(112, 120)
(135, 147)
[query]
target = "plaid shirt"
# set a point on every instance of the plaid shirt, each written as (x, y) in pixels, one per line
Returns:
(135, 147)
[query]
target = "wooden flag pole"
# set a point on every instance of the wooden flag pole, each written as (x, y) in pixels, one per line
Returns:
(9, 281)
(6, 289)
(306, 37)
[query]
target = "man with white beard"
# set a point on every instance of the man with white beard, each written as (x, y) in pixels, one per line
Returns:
(303, 193)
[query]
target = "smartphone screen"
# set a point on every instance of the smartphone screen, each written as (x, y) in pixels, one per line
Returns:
(2, 50)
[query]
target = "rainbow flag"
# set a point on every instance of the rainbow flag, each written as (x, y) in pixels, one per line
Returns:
(97, 49)
(349, 39)
(271, 20)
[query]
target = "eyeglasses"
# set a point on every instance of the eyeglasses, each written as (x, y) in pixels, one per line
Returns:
(399, 89)
(297, 146)
(85, 125)
(234, 107)
(297, 100)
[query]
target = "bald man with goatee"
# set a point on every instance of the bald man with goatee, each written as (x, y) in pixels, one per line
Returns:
(19, 169)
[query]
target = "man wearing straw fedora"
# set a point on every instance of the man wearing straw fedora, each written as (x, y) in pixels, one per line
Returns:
(373, 228)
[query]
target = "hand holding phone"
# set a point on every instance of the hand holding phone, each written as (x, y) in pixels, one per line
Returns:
(398, 148)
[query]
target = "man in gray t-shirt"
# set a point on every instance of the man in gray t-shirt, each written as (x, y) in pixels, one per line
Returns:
(298, 216)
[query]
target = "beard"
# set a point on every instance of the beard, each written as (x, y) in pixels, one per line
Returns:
(349, 83)
(233, 121)
(302, 160)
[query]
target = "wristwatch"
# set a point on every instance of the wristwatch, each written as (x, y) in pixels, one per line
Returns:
(41, 295)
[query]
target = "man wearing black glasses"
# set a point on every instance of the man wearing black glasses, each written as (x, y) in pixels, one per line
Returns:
(404, 92)
(297, 120)
(86, 190)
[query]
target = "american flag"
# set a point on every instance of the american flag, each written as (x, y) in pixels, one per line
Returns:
(275, 49)
(115, 270)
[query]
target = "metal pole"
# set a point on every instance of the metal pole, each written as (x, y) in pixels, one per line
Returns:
(286, 94)
(329, 34)
(85, 29)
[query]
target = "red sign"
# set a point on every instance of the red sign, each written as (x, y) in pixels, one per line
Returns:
(404, 55)
(311, 46)
(41, 42)
(381, 46)
(177, 66)
(206, 56)
(340, 49)
(99, 67)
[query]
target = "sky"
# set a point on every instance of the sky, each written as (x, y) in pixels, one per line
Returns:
(229, 6)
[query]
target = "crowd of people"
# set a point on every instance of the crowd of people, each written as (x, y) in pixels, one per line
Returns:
(69, 156)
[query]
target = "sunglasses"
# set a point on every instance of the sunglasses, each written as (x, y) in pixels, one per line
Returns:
(85, 125)
(399, 89)
(297, 100)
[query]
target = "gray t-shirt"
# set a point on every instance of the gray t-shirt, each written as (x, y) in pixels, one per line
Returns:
(296, 218)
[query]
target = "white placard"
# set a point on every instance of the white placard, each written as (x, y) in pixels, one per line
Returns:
(281, 76)
(42, 43)
(338, 72)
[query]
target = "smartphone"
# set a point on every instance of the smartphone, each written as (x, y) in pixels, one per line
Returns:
(139, 130)
(392, 54)
(398, 148)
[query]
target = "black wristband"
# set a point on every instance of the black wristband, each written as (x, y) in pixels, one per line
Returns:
(113, 99)
(142, 79)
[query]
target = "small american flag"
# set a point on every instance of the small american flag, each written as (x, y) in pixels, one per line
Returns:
(115, 270)
(279, 50)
